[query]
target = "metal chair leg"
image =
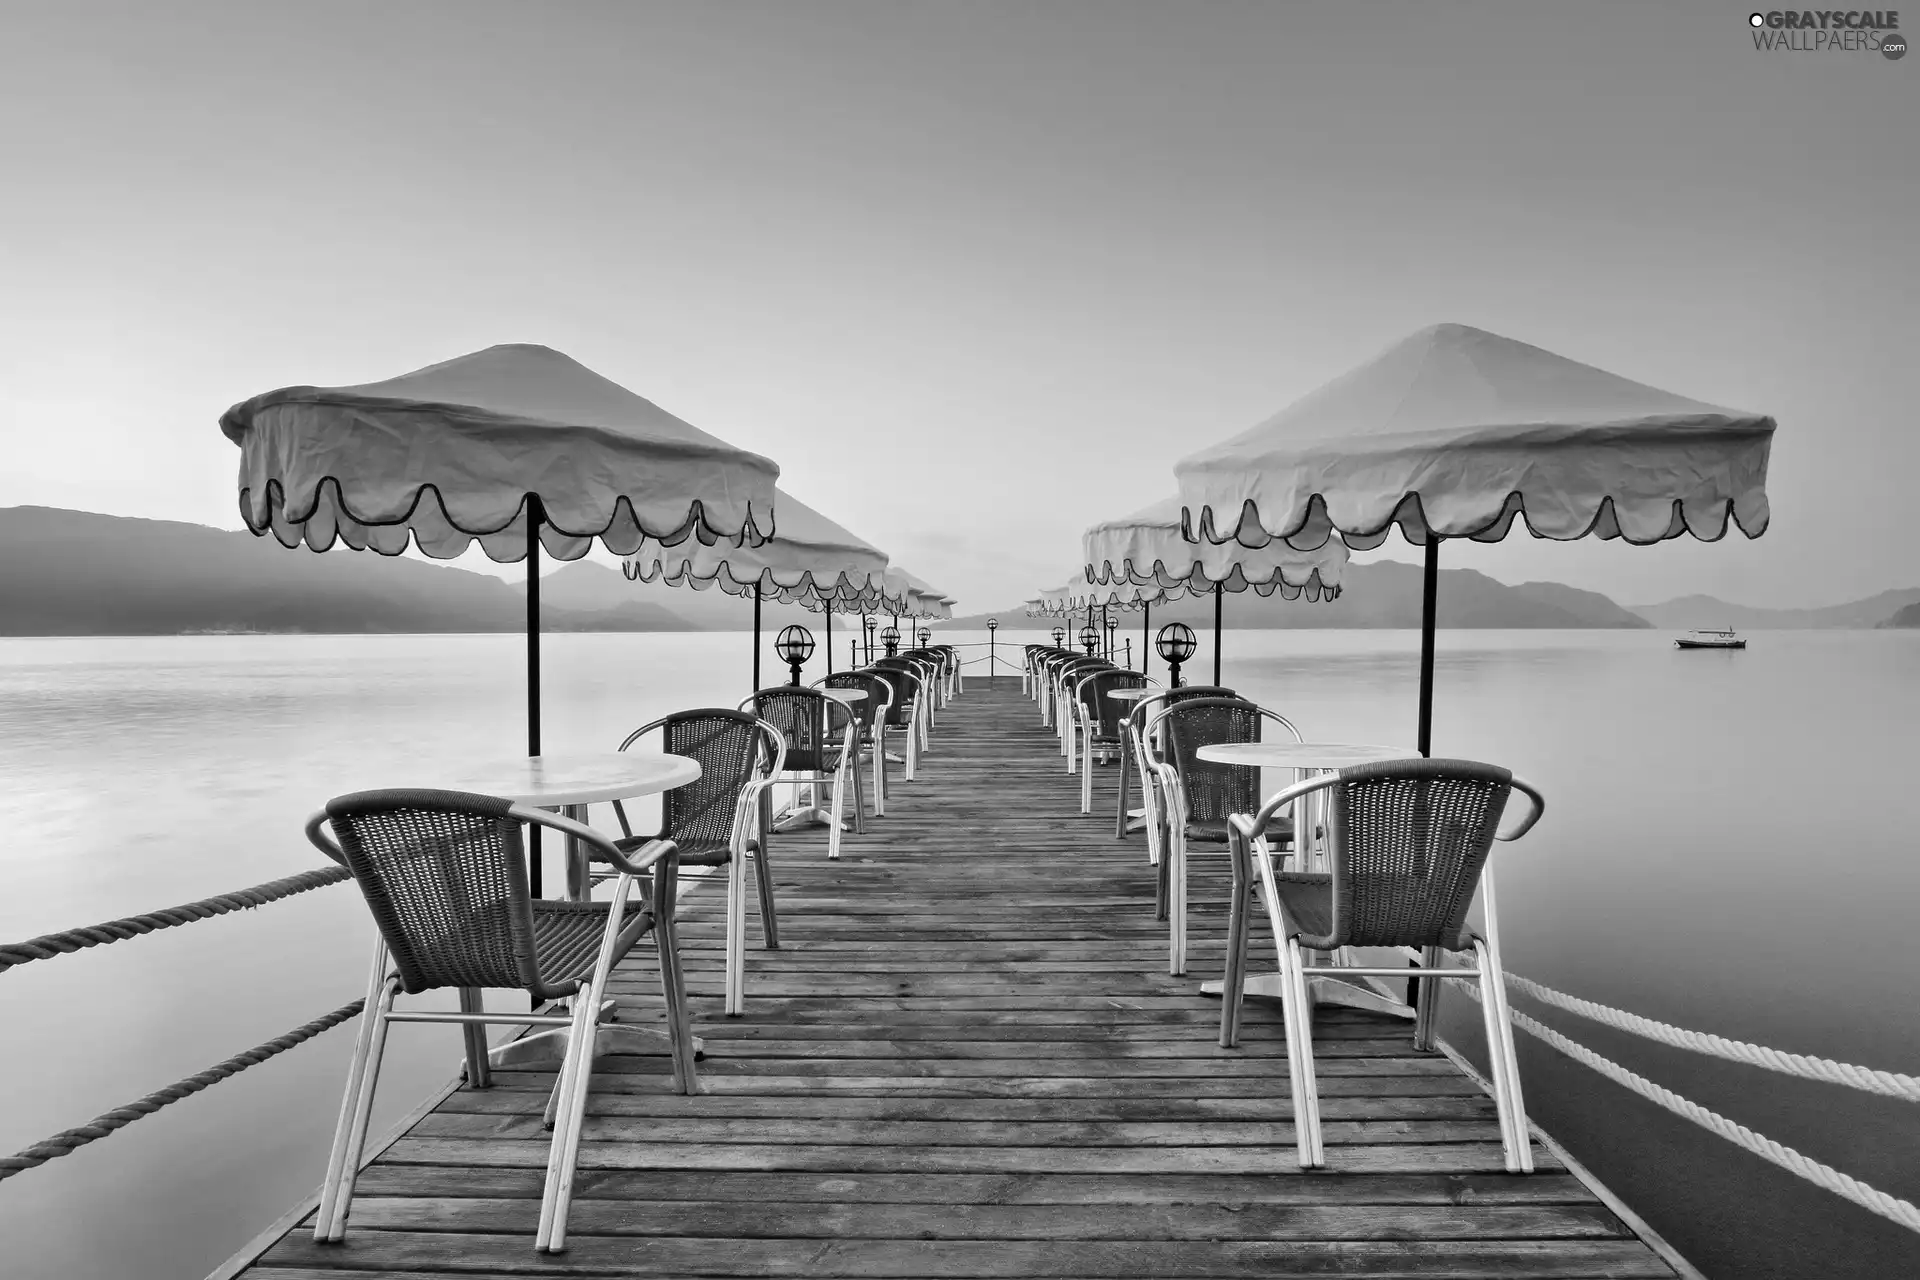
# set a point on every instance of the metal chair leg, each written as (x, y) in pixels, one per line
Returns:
(1298, 1013)
(736, 939)
(1177, 905)
(325, 1216)
(362, 1111)
(1233, 981)
(763, 875)
(479, 1072)
(1427, 999)
(673, 987)
(578, 1064)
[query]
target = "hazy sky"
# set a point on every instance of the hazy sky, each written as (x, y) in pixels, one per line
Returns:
(975, 274)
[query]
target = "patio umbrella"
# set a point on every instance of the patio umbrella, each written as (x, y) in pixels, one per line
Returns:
(1454, 433)
(810, 556)
(1148, 549)
(490, 447)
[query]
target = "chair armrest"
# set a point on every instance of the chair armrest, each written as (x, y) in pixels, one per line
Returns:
(638, 864)
(319, 839)
(1532, 793)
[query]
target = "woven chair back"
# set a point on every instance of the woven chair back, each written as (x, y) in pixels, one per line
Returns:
(801, 717)
(444, 874)
(1107, 713)
(1214, 792)
(1408, 840)
(1186, 692)
(877, 690)
(727, 746)
(905, 679)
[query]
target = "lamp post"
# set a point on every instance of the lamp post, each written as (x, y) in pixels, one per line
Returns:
(890, 640)
(868, 624)
(1108, 621)
(923, 635)
(1089, 639)
(1059, 637)
(795, 646)
(1175, 644)
(993, 625)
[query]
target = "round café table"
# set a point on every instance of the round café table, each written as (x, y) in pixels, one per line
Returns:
(570, 783)
(1310, 757)
(1122, 816)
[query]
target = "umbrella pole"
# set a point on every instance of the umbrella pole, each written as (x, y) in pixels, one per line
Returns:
(1146, 629)
(534, 516)
(1219, 604)
(756, 637)
(1429, 596)
(829, 637)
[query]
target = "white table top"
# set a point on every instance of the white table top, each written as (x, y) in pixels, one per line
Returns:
(583, 778)
(1133, 695)
(846, 695)
(1302, 755)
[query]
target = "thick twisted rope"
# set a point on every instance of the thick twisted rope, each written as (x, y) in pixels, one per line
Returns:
(1821, 1175)
(1890, 1083)
(49, 945)
(69, 1140)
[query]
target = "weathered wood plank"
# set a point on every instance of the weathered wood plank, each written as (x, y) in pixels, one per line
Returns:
(967, 1060)
(983, 1259)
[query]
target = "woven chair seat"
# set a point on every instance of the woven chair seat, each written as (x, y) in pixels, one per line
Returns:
(698, 853)
(1308, 898)
(566, 936)
(1214, 830)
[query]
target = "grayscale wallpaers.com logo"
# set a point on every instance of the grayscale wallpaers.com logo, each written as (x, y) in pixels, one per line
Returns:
(1855, 30)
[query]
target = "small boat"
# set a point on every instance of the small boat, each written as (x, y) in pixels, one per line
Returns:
(1709, 639)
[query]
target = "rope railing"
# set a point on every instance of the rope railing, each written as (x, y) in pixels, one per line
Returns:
(67, 941)
(1821, 1175)
(68, 1141)
(1888, 1083)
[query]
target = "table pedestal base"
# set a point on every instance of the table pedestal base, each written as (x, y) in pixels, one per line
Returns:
(545, 1049)
(795, 819)
(1337, 991)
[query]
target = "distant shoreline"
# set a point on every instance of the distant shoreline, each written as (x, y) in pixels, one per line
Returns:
(1657, 633)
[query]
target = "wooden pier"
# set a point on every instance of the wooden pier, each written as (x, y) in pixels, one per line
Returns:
(967, 1060)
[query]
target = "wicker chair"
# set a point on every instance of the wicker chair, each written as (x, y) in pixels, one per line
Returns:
(444, 873)
(910, 706)
(1135, 757)
(939, 674)
(1099, 722)
(1197, 798)
(1407, 842)
(817, 752)
(1062, 676)
(717, 820)
(956, 669)
(869, 724)
(925, 693)
(899, 718)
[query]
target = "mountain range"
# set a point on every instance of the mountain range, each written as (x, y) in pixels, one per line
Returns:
(1386, 593)
(80, 573)
(1704, 611)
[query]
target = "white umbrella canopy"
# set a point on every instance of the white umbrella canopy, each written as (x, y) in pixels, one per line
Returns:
(1454, 433)
(1457, 431)
(810, 558)
(485, 447)
(921, 600)
(450, 453)
(1147, 548)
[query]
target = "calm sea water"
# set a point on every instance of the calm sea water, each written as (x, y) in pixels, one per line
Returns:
(1729, 846)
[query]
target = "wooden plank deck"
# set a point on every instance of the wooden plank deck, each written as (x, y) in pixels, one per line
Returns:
(967, 1060)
